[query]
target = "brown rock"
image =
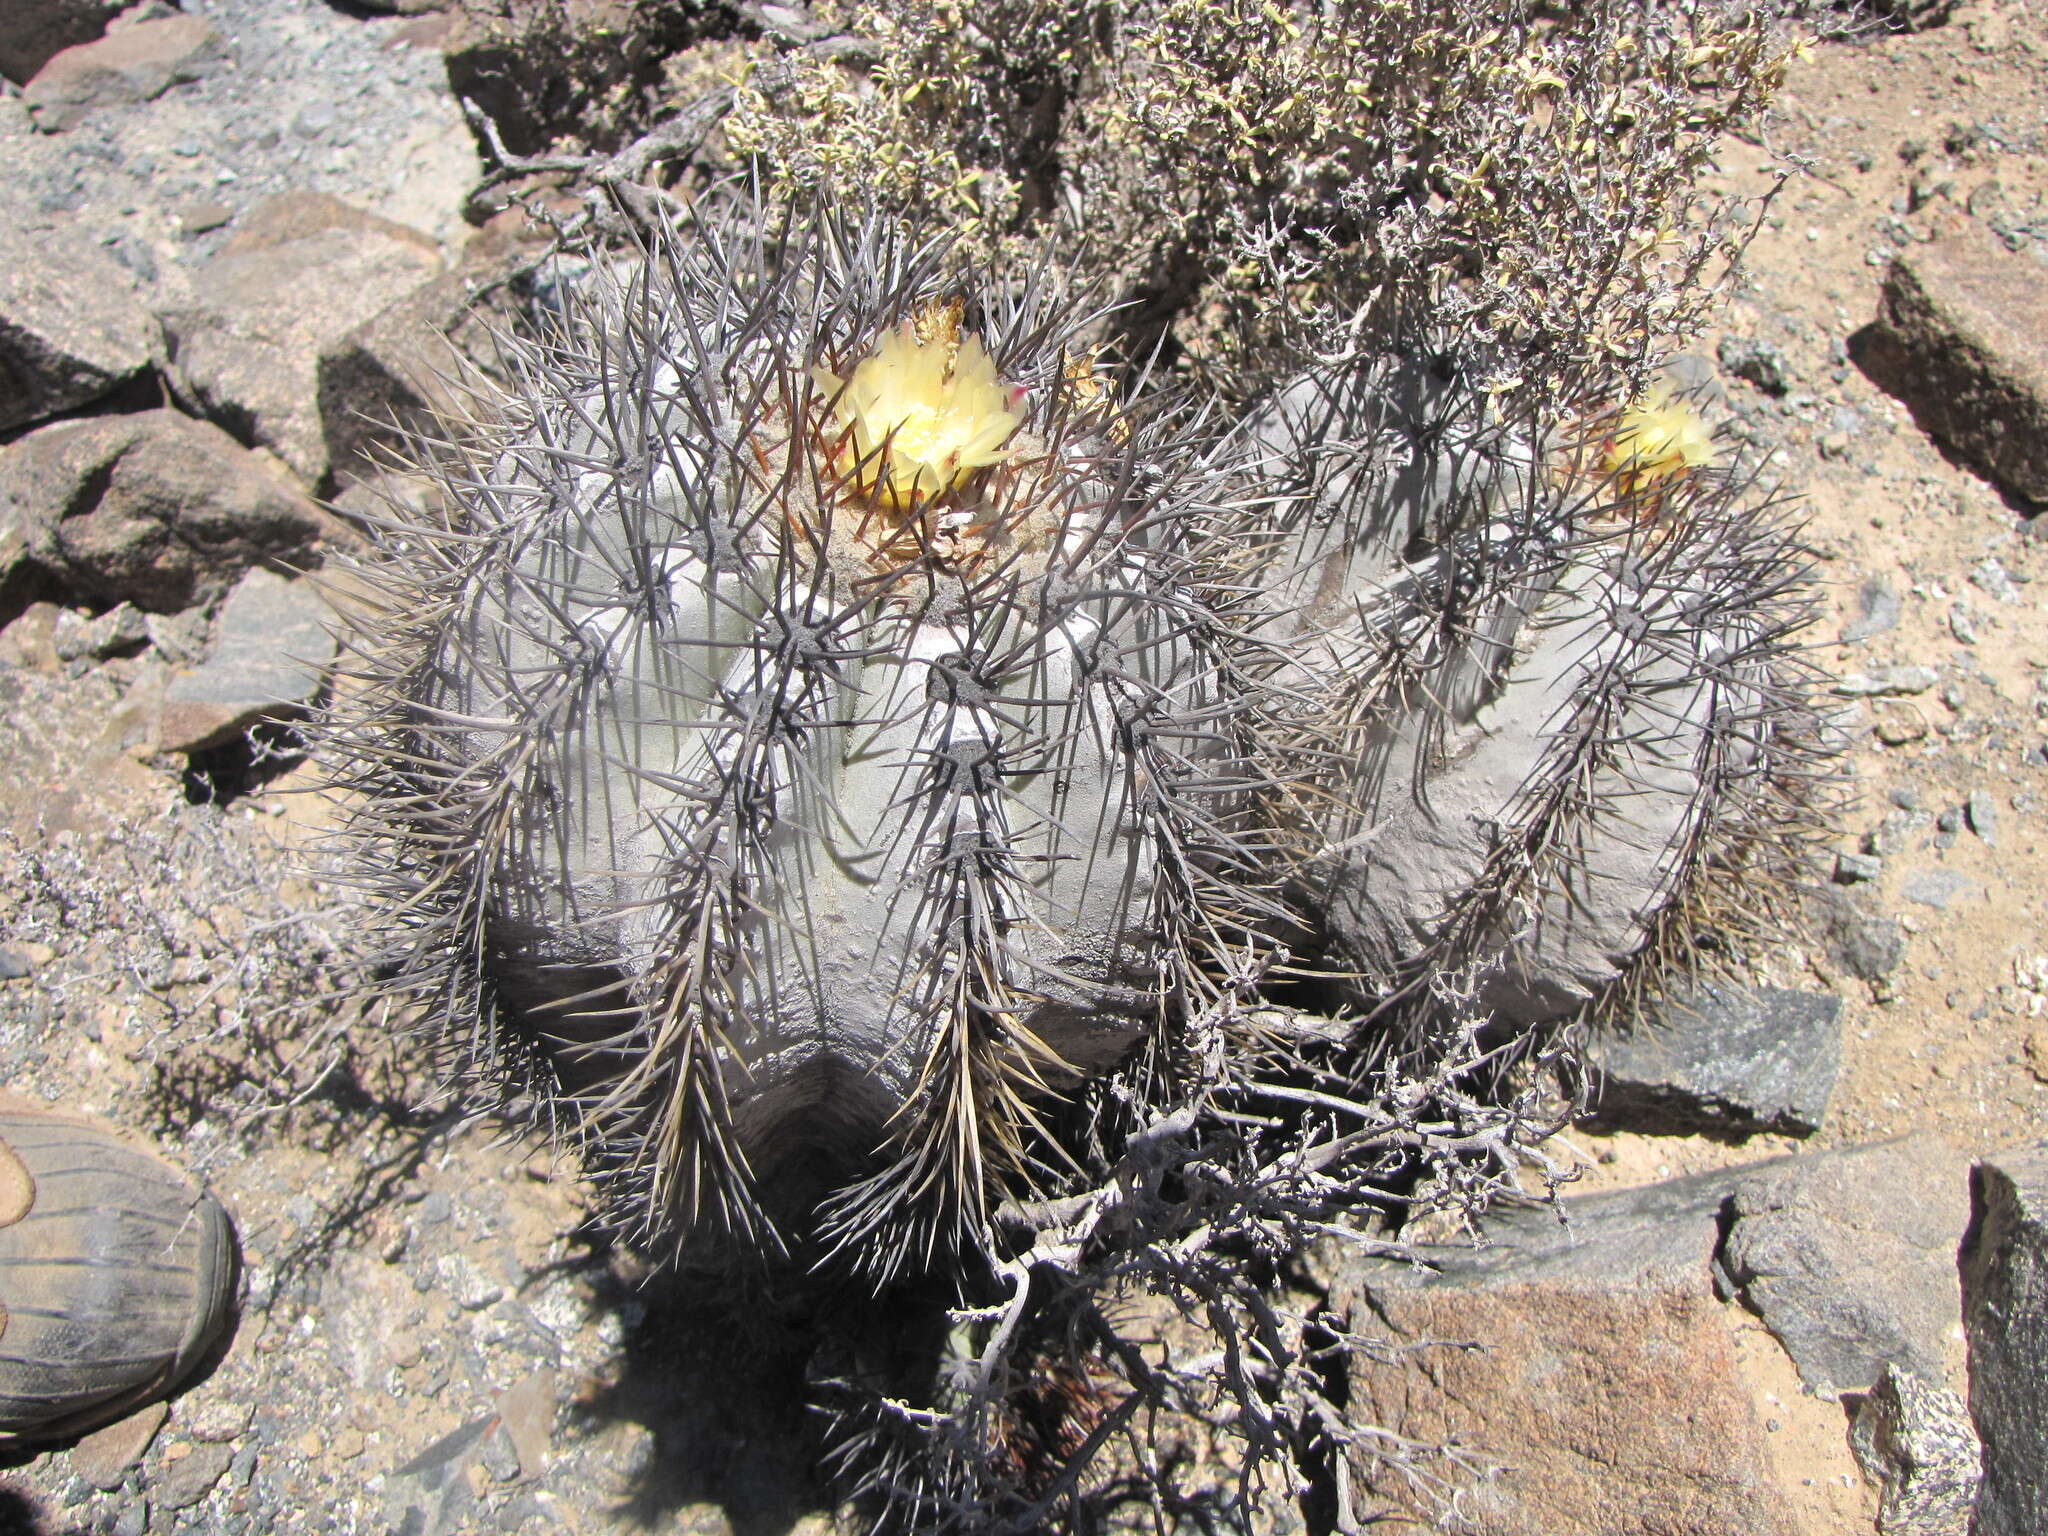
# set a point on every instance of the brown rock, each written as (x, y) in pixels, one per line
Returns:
(71, 326)
(300, 273)
(1589, 1362)
(1962, 337)
(151, 508)
(32, 32)
(398, 371)
(133, 64)
(103, 1457)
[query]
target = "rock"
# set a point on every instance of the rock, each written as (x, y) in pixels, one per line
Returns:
(1878, 610)
(2004, 1267)
(137, 63)
(1849, 1258)
(526, 1414)
(1722, 1058)
(1915, 1443)
(1864, 944)
(299, 274)
(1762, 363)
(120, 630)
(393, 373)
(103, 1457)
(1962, 337)
(191, 1478)
(1982, 810)
(151, 508)
(1934, 888)
(271, 651)
(1857, 868)
(32, 32)
(1891, 683)
(1590, 1357)
(71, 326)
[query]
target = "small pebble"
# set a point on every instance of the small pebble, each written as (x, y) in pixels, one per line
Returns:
(1983, 814)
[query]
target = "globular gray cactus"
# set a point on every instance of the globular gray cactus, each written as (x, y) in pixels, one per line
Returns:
(1544, 698)
(803, 750)
(835, 726)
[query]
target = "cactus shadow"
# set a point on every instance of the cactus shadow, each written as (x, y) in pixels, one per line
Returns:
(718, 1382)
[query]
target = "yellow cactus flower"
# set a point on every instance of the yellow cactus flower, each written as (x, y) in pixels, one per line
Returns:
(1659, 437)
(923, 411)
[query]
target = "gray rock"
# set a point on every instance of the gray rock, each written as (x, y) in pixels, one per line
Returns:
(151, 508)
(32, 32)
(1849, 1258)
(1983, 813)
(1730, 1059)
(1934, 888)
(1857, 868)
(1863, 944)
(1893, 682)
(271, 652)
(1962, 337)
(2004, 1266)
(300, 273)
(191, 1478)
(1914, 1441)
(1878, 610)
(134, 63)
(71, 326)
(121, 629)
(1762, 363)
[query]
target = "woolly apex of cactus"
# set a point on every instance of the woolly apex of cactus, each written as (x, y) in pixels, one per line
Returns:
(796, 849)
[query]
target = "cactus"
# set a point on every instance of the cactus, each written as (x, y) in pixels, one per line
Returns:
(1547, 700)
(801, 752)
(854, 763)
(830, 731)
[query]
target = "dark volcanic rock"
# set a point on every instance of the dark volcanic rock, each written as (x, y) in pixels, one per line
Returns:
(1865, 944)
(151, 508)
(1962, 337)
(2005, 1312)
(71, 326)
(1723, 1059)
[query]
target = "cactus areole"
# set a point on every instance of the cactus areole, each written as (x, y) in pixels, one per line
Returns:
(821, 729)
